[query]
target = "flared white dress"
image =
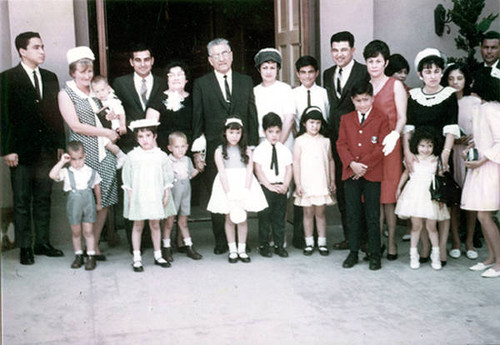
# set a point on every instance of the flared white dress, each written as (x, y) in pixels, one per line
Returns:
(415, 199)
(236, 172)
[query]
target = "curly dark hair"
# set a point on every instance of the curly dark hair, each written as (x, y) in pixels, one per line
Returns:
(423, 134)
(242, 144)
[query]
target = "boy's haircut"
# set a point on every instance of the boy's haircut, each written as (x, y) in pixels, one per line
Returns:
(423, 134)
(98, 78)
(490, 35)
(376, 47)
(139, 47)
(75, 146)
(428, 61)
(176, 135)
(23, 39)
(396, 63)
(343, 36)
(306, 60)
(153, 129)
(271, 120)
(361, 88)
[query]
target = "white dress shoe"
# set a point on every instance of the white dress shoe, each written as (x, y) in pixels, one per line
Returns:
(455, 253)
(480, 267)
(490, 273)
(472, 254)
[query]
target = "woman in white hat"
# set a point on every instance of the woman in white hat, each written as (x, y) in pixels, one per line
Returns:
(78, 107)
(435, 108)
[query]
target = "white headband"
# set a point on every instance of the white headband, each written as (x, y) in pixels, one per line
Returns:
(143, 123)
(233, 120)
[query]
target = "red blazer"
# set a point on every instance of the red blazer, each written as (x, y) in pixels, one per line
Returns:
(362, 143)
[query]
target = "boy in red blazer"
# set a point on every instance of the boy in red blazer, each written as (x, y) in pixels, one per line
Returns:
(360, 148)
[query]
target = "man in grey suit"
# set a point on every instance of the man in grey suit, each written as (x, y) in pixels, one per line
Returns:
(338, 81)
(136, 89)
(217, 96)
(32, 136)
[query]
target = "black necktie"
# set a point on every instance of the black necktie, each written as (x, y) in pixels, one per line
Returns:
(228, 92)
(362, 118)
(37, 86)
(308, 98)
(274, 161)
(339, 82)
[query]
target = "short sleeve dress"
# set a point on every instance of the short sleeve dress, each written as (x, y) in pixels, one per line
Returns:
(481, 190)
(94, 150)
(385, 104)
(314, 171)
(415, 199)
(146, 174)
(176, 114)
(236, 175)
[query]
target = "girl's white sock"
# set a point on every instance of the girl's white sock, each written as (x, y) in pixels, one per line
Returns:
(232, 247)
(242, 248)
(188, 242)
(90, 252)
(78, 252)
(322, 241)
(137, 255)
(309, 241)
(166, 242)
(157, 254)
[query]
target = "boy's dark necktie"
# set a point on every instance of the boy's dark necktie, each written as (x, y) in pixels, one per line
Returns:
(274, 161)
(362, 118)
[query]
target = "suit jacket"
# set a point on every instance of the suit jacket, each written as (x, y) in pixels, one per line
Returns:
(28, 124)
(210, 109)
(362, 143)
(125, 90)
(343, 105)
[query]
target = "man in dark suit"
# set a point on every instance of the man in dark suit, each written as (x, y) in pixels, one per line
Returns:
(31, 135)
(338, 81)
(490, 67)
(217, 96)
(135, 90)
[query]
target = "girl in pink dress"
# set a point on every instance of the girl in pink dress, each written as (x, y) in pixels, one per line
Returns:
(390, 98)
(481, 190)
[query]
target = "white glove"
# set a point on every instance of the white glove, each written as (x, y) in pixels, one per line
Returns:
(389, 142)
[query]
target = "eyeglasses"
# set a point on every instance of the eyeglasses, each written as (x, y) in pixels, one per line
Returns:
(223, 55)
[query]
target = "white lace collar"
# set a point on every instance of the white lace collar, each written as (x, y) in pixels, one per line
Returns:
(429, 100)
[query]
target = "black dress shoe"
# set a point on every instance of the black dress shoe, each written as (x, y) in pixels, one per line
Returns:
(78, 262)
(91, 263)
(392, 257)
(26, 256)
(162, 263)
(265, 251)
(423, 260)
(166, 253)
(232, 259)
(48, 250)
(375, 264)
(351, 260)
(192, 253)
(281, 252)
(443, 263)
(244, 257)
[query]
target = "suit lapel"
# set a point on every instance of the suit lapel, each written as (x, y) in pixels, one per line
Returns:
(26, 81)
(218, 91)
(133, 93)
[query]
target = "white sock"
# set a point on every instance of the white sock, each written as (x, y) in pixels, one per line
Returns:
(90, 252)
(157, 254)
(137, 255)
(322, 241)
(166, 242)
(242, 247)
(232, 247)
(78, 252)
(309, 241)
(188, 242)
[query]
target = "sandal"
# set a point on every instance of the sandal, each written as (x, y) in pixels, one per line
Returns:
(341, 245)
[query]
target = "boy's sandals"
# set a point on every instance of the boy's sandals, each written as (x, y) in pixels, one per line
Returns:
(341, 245)
(137, 266)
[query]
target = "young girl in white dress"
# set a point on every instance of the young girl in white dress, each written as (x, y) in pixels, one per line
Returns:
(314, 176)
(147, 178)
(235, 190)
(414, 201)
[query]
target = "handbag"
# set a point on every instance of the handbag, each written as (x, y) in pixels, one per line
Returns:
(444, 188)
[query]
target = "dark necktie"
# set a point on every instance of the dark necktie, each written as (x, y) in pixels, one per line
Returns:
(362, 118)
(274, 161)
(308, 98)
(144, 92)
(339, 83)
(37, 86)
(228, 92)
